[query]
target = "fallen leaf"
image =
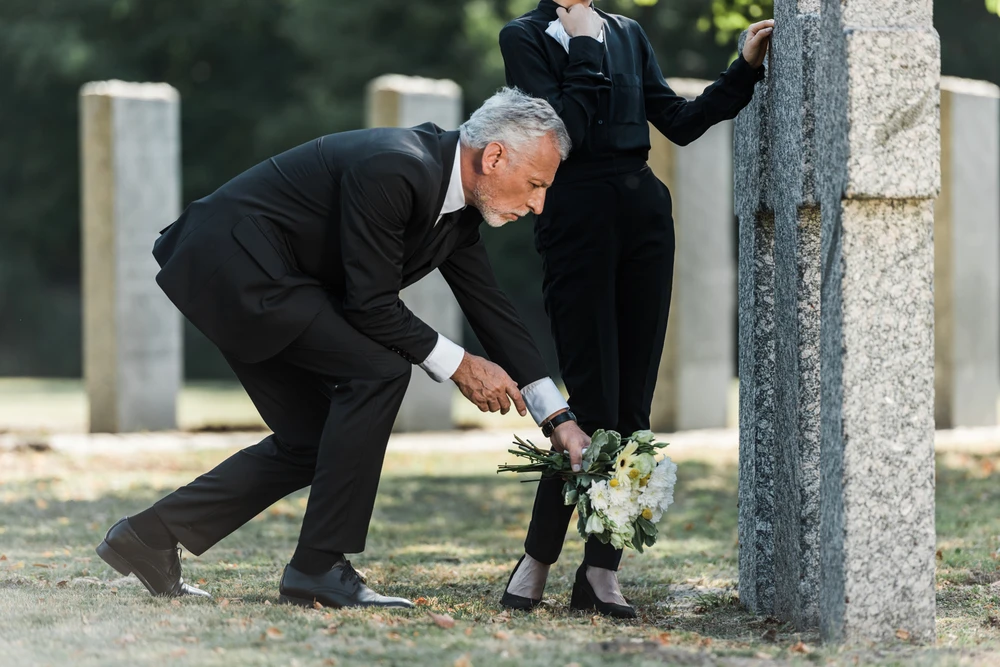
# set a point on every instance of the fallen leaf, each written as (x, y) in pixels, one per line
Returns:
(267, 603)
(706, 642)
(800, 648)
(393, 636)
(224, 602)
(62, 584)
(48, 554)
(41, 565)
(902, 634)
(330, 661)
(173, 603)
(317, 605)
(535, 635)
(663, 639)
(331, 629)
(274, 633)
(463, 661)
(939, 554)
(19, 565)
(468, 631)
(420, 602)
(442, 620)
(202, 582)
(178, 652)
(501, 635)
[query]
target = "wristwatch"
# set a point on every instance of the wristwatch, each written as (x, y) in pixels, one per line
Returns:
(550, 426)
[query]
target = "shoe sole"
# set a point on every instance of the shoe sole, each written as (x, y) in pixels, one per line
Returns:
(118, 562)
(301, 602)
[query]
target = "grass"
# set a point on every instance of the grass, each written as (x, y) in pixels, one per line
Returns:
(446, 529)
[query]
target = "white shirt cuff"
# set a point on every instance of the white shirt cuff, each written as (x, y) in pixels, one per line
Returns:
(443, 360)
(543, 398)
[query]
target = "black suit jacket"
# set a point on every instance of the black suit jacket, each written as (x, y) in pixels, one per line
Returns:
(349, 217)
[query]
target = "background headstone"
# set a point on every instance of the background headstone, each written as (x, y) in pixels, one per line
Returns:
(697, 367)
(967, 257)
(404, 101)
(133, 365)
(879, 141)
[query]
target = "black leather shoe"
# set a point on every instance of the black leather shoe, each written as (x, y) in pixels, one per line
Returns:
(159, 570)
(340, 586)
(511, 601)
(584, 598)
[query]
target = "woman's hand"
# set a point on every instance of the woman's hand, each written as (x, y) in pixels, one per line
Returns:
(581, 20)
(758, 39)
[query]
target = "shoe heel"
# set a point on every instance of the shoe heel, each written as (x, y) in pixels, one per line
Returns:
(580, 599)
(290, 599)
(111, 557)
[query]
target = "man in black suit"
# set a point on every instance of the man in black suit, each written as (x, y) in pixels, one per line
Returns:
(293, 269)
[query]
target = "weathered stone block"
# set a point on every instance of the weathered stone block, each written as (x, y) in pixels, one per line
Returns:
(967, 256)
(403, 101)
(697, 366)
(887, 13)
(130, 158)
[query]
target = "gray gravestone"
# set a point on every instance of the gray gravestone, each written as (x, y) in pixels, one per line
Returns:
(967, 256)
(879, 173)
(755, 212)
(404, 101)
(130, 140)
(696, 370)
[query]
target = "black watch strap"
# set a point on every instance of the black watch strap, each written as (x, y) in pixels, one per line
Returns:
(549, 426)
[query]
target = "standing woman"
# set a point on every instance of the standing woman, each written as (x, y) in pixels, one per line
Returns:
(606, 238)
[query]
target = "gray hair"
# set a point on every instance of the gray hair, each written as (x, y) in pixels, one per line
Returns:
(516, 120)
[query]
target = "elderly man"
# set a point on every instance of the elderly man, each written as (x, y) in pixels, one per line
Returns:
(293, 269)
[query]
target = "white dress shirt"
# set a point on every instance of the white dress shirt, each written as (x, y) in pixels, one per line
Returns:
(542, 396)
(557, 32)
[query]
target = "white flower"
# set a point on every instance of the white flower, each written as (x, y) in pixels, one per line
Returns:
(599, 493)
(594, 524)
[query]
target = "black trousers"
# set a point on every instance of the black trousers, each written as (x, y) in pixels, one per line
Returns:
(607, 245)
(330, 398)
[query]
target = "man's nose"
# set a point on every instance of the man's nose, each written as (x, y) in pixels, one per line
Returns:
(537, 202)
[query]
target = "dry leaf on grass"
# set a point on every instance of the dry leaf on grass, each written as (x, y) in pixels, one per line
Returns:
(330, 661)
(442, 620)
(903, 634)
(202, 581)
(267, 603)
(62, 584)
(273, 633)
(173, 603)
(463, 661)
(800, 648)
(3, 556)
(331, 629)
(421, 602)
(393, 636)
(224, 602)
(317, 605)
(501, 635)
(663, 639)
(705, 642)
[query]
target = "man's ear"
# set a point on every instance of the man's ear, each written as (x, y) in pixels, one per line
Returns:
(494, 156)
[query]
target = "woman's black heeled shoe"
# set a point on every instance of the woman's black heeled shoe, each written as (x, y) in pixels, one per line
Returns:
(511, 601)
(584, 598)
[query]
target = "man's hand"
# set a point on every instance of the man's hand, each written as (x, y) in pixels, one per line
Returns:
(758, 39)
(487, 385)
(568, 437)
(581, 21)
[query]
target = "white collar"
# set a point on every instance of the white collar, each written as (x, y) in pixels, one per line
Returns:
(454, 198)
(557, 32)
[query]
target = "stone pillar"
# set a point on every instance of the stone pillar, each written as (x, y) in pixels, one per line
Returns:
(130, 164)
(403, 101)
(755, 211)
(696, 370)
(879, 141)
(967, 256)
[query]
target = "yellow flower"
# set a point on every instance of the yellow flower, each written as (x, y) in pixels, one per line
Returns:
(633, 473)
(613, 482)
(644, 481)
(647, 514)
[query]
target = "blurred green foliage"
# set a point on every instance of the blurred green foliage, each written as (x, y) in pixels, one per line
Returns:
(259, 76)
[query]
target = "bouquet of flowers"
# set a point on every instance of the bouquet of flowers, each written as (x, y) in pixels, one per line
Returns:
(621, 491)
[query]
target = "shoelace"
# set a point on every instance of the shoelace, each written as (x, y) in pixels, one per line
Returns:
(348, 572)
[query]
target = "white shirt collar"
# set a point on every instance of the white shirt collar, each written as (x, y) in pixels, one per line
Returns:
(557, 32)
(454, 198)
